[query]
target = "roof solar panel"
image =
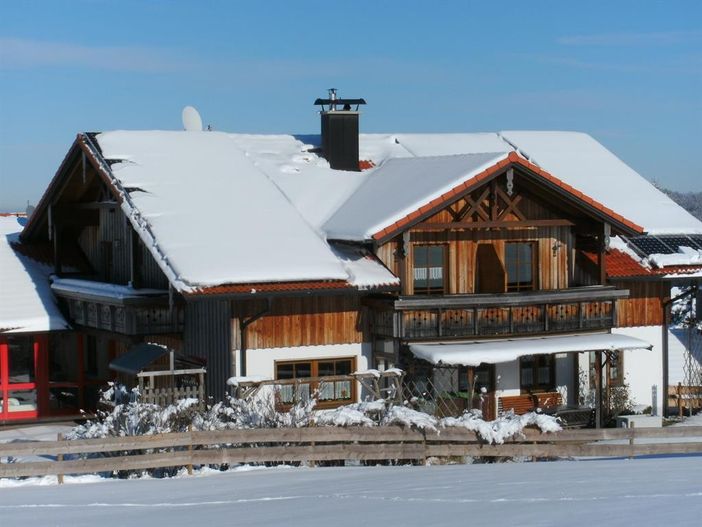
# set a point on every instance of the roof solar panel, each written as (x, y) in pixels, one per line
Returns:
(651, 245)
(680, 241)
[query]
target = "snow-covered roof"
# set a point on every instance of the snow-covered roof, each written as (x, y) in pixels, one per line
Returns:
(217, 208)
(401, 186)
(498, 351)
(26, 302)
(579, 160)
(363, 267)
(216, 218)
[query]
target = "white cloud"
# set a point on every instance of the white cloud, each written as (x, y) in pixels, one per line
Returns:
(18, 53)
(632, 39)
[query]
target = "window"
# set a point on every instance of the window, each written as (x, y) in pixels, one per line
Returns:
(519, 263)
(428, 270)
(329, 393)
(536, 373)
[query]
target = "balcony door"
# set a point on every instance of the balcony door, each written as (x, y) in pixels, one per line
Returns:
(489, 271)
(20, 358)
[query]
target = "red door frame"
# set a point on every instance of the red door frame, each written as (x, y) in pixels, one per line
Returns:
(39, 345)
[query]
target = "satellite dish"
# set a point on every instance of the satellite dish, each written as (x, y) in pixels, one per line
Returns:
(192, 122)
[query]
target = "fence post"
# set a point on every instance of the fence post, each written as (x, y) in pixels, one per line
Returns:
(190, 449)
(631, 438)
(59, 459)
(680, 406)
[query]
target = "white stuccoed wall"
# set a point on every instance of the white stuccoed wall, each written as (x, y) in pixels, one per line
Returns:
(262, 361)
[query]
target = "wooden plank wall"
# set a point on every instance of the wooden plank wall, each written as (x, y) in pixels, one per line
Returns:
(553, 265)
(114, 229)
(644, 307)
(306, 321)
(207, 334)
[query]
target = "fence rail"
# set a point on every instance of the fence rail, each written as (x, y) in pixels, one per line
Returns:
(299, 445)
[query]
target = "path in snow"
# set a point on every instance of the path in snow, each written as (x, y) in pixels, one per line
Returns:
(616, 492)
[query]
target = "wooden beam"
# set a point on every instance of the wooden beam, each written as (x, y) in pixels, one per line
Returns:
(426, 226)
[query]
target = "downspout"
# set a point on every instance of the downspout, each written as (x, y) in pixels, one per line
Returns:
(243, 325)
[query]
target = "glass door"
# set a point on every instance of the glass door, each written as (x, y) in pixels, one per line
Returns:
(19, 366)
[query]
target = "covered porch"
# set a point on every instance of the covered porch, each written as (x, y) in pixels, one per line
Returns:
(548, 374)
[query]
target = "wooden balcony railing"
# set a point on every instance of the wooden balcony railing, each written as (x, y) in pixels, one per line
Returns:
(459, 316)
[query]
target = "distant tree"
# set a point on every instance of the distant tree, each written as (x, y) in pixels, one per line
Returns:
(690, 201)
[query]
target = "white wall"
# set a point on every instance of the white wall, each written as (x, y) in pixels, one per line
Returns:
(644, 369)
(262, 361)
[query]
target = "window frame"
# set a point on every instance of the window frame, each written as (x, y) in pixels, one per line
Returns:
(535, 386)
(427, 291)
(522, 286)
(314, 384)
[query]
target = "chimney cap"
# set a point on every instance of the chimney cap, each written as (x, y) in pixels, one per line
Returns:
(333, 103)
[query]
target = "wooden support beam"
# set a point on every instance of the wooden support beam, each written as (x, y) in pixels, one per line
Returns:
(426, 226)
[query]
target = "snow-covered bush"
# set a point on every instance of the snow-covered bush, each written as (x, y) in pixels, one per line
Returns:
(503, 428)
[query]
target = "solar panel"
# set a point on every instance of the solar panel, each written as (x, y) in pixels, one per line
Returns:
(651, 245)
(680, 241)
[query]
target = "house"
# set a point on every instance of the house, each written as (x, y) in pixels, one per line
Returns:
(509, 260)
(30, 321)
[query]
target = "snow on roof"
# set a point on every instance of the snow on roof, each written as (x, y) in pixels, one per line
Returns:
(365, 270)
(579, 160)
(26, 303)
(498, 351)
(215, 216)
(421, 145)
(400, 186)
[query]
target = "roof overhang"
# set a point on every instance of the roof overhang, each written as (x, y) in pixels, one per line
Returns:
(498, 351)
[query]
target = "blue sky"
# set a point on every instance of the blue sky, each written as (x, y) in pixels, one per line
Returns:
(629, 73)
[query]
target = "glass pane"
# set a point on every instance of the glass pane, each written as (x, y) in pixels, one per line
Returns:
(285, 371)
(343, 367)
(63, 359)
(286, 392)
(303, 392)
(325, 368)
(96, 359)
(303, 369)
(527, 377)
(91, 394)
(326, 391)
(545, 375)
(21, 358)
(22, 401)
(436, 255)
(64, 398)
(343, 389)
(421, 256)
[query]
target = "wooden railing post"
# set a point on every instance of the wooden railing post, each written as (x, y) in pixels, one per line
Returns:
(190, 449)
(631, 439)
(59, 459)
(680, 406)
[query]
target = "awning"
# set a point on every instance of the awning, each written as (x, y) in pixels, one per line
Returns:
(138, 357)
(496, 351)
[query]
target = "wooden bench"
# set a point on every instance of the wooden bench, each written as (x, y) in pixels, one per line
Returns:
(521, 404)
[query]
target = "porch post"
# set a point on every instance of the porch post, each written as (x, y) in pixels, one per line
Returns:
(598, 389)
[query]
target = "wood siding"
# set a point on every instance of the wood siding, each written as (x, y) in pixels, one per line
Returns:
(208, 335)
(553, 265)
(306, 321)
(108, 249)
(644, 307)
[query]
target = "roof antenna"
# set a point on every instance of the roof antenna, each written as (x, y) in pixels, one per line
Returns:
(192, 122)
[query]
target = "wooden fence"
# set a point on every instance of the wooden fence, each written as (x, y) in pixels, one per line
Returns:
(299, 445)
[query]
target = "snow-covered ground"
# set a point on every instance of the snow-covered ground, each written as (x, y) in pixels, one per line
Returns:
(637, 492)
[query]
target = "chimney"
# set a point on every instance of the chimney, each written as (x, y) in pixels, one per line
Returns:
(340, 131)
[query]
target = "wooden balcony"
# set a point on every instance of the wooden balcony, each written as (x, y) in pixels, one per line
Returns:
(507, 314)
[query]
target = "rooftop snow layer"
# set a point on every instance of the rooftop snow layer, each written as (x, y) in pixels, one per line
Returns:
(27, 303)
(582, 162)
(217, 218)
(399, 187)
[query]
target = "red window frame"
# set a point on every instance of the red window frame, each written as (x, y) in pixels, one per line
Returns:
(38, 385)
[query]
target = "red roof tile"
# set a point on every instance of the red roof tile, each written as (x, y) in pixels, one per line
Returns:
(273, 287)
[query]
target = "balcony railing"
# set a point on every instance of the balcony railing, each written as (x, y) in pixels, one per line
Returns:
(460, 316)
